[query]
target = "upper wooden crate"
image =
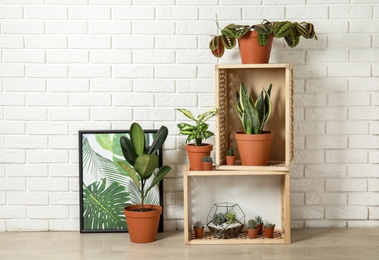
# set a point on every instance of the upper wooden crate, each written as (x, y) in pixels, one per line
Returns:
(255, 77)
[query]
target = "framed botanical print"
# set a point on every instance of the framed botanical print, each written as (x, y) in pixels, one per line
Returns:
(105, 188)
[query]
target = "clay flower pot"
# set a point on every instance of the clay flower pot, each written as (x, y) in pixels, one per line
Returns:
(259, 228)
(251, 51)
(196, 154)
(198, 232)
(252, 233)
(269, 232)
(230, 160)
(207, 166)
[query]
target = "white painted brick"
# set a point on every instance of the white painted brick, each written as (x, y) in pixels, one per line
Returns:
(299, 142)
(68, 114)
(206, 100)
(90, 71)
(363, 113)
(45, 42)
(176, 71)
(373, 157)
(192, 57)
(68, 85)
(349, 40)
(67, 56)
(326, 142)
(154, 85)
(179, 42)
(346, 185)
(373, 185)
(349, 99)
(375, 99)
(349, 70)
(326, 85)
(134, 13)
(50, 212)
(303, 184)
(366, 170)
(107, 114)
(64, 225)
(133, 100)
(327, 113)
(89, 13)
(74, 212)
(11, 41)
(12, 212)
(63, 142)
(110, 27)
(26, 142)
(112, 57)
(351, 11)
(364, 141)
(196, 28)
(376, 40)
(195, 86)
(325, 170)
(172, 184)
(149, 57)
(297, 171)
(309, 156)
(47, 156)
(66, 27)
(184, 13)
(192, 2)
(12, 99)
(363, 224)
(346, 128)
(11, 12)
(373, 212)
(297, 198)
(364, 25)
(63, 170)
(364, 55)
(27, 225)
(74, 183)
(23, 27)
(67, 2)
(46, 71)
(24, 85)
(54, 184)
(307, 12)
(174, 211)
(346, 212)
(307, 212)
(12, 156)
(310, 71)
(310, 100)
(111, 85)
(45, 12)
(133, 71)
(374, 128)
(313, 198)
(329, 27)
(76, 126)
(133, 42)
(346, 156)
(260, 12)
(325, 224)
(64, 198)
(13, 184)
(47, 100)
(290, 56)
(27, 198)
(326, 56)
(90, 100)
(309, 128)
(153, 28)
(173, 100)
(27, 170)
(89, 42)
(12, 71)
(154, 114)
(13, 128)
(29, 2)
(364, 198)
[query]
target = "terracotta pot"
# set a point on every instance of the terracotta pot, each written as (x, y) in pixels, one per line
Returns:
(259, 228)
(198, 232)
(230, 160)
(207, 166)
(252, 233)
(254, 149)
(196, 154)
(251, 51)
(143, 226)
(269, 232)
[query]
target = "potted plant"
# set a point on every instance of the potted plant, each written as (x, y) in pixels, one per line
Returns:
(198, 229)
(230, 157)
(269, 230)
(252, 230)
(254, 144)
(207, 163)
(259, 224)
(197, 133)
(142, 162)
(255, 41)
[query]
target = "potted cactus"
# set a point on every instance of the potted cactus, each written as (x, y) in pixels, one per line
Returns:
(230, 157)
(269, 230)
(197, 133)
(198, 229)
(207, 163)
(259, 224)
(252, 230)
(255, 41)
(254, 144)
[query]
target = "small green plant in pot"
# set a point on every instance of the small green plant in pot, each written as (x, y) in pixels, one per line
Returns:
(254, 144)
(196, 133)
(207, 162)
(142, 163)
(252, 230)
(269, 230)
(230, 157)
(198, 229)
(259, 224)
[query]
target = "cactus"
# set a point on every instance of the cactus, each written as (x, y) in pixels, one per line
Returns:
(229, 152)
(252, 224)
(218, 219)
(198, 224)
(269, 225)
(253, 115)
(207, 159)
(258, 220)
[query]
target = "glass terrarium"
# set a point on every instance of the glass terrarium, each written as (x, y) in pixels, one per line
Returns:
(226, 220)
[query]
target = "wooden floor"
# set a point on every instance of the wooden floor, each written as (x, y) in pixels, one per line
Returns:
(320, 244)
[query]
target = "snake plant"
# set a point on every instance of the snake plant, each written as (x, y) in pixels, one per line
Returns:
(290, 31)
(253, 115)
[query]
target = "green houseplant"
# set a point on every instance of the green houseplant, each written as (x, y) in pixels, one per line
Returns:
(269, 230)
(254, 144)
(259, 224)
(142, 163)
(197, 132)
(255, 41)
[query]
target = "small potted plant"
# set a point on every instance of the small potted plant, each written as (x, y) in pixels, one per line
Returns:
(197, 133)
(254, 144)
(269, 230)
(252, 230)
(207, 163)
(255, 41)
(230, 157)
(259, 224)
(198, 229)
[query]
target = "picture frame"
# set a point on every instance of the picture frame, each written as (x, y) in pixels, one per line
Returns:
(104, 184)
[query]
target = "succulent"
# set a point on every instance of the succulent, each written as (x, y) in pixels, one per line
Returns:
(231, 217)
(229, 152)
(253, 115)
(258, 220)
(290, 31)
(198, 224)
(199, 131)
(218, 219)
(269, 225)
(207, 159)
(252, 224)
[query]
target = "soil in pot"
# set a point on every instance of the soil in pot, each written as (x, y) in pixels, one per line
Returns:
(196, 154)
(250, 50)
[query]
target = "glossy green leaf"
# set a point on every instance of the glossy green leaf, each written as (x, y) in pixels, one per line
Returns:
(137, 137)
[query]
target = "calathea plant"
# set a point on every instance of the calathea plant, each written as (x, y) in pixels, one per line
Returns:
(142, 159)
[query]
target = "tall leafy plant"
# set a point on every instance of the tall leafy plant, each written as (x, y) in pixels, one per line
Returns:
(142, 159)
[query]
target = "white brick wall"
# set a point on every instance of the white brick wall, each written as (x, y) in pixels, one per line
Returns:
(69, 65)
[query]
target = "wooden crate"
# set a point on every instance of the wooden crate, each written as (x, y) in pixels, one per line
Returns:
(282, 235)
(255, 77)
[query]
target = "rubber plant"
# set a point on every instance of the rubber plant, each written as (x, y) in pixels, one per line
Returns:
(290, 31)
(142, 159)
